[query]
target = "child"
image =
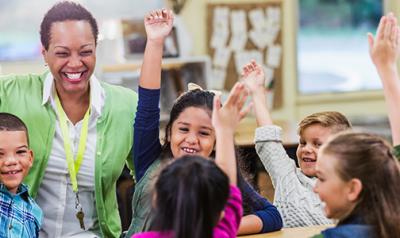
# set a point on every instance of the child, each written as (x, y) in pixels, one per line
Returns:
(358, 181)
(191, 193)
(294, 197)
(20, 216)
(384, 51)
(188, 132)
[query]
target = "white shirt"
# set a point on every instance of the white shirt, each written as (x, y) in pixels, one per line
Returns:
(55, 195)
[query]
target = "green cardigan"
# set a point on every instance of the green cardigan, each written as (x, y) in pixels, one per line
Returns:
(22, 96)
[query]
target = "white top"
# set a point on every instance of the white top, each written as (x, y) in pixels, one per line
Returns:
(55, 195)
(294, 196)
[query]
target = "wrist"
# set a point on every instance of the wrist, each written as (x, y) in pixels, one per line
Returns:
(158, 42)
(224, 131)
(388, 67)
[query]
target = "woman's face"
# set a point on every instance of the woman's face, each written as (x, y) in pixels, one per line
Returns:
(71, 56)
(192, 133)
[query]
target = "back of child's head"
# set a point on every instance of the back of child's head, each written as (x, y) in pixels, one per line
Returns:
(194, 98)
(336, 121)
(190, 195)
(10, 122)
(369, 158)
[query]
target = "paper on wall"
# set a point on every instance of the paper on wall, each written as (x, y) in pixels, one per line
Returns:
(221, 57)
(269, 76)
(273, 56)
(238, 42)
(244, 57)
(238, 22)
(218, 78)
(257, 19)
(219, 39)
(273, 14)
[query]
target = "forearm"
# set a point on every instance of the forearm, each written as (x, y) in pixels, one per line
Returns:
(225, 153)
(391, 89)
(250, 224)
(150, 75)
(263, 116)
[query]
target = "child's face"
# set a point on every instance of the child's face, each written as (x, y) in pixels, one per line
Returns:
(192, 133)
(311, 139)
(15, 158)
(335, 193)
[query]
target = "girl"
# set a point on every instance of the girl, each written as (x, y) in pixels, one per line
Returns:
(358, 180)
(188, 132)
(191, 193)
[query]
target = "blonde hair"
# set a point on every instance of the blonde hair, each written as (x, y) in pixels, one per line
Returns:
(369, 158)
(330, 119)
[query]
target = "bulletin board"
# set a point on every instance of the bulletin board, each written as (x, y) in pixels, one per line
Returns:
(239, 32)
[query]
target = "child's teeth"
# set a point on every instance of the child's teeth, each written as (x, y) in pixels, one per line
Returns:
(73, 76)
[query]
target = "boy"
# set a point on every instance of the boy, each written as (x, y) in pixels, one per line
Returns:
(20, 216)
(294, 196)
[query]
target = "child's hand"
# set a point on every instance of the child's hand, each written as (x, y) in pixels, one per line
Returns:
(227, 117)
(158, 24)
(385, 48)
(253, 77)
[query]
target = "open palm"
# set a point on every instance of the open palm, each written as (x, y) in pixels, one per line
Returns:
(253, 76)
(158, 24)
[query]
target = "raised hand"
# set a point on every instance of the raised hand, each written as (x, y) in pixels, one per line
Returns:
(225, 119)
(253, 77)
(228, 116)
(384, 48)
(158, 24)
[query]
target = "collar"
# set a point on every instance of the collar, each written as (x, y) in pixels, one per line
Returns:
(22, 189)
(96, 93)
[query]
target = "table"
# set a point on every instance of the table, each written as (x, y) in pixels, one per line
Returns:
(298, 232)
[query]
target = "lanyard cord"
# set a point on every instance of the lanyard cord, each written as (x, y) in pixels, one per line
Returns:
(73, 165)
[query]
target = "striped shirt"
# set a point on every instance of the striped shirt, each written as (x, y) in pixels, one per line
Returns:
(20, 216)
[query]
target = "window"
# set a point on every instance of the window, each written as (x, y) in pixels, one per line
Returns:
(333, 47)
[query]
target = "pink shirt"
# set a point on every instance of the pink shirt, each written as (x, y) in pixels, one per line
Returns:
(227, 227)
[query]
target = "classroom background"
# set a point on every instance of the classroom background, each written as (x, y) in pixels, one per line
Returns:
(315, 53)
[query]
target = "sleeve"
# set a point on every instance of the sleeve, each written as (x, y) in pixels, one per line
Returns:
(262, 208)
(272, 154)
(396, 151)
(229, 224)
(146, 142)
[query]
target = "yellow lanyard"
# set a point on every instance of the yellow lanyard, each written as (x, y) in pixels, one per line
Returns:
(73, 165)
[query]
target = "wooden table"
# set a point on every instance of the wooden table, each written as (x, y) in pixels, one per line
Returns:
(298, 232)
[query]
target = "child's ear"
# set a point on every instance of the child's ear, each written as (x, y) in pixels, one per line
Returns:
(30, 158)
(355, 188)
(44, 51)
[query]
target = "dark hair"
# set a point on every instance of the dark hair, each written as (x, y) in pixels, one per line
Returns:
(194, 98)
(10, 122)
(64, 11)
(369, 158)
(190, 194)
(203, 99)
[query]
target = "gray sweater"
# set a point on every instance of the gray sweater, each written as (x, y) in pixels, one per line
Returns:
(294, 196)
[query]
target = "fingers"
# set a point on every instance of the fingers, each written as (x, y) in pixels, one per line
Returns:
(216, 105)
(245, 111)
(381, 28)
(235, 94)
(370, 40)
(159, 15)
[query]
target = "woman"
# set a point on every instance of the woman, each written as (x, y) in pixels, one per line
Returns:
(80, 128)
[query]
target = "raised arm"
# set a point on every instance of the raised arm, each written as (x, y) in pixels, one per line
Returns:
(384, 50)
(158, 25)
(254, 78)
(225, 120)
(147, 145)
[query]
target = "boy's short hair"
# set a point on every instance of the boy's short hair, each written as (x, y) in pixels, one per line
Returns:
(330, 119)
(10, 122)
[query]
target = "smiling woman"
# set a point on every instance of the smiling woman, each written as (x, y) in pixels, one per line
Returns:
(70, 115)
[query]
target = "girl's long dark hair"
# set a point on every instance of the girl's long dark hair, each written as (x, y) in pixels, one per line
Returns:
(190, 194)
(369, 159)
